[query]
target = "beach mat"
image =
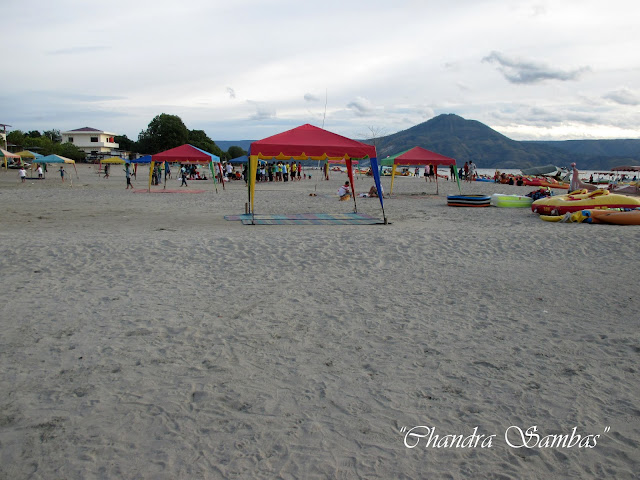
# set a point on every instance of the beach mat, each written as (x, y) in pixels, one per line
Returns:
(168, 190)
(307, 219)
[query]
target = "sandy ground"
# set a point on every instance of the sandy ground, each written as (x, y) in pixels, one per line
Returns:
(144, 336)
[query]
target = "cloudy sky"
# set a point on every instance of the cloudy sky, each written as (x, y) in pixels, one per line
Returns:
(247, 69)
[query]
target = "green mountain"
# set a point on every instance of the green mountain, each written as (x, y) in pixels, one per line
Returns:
(599, 154)
(465, 140)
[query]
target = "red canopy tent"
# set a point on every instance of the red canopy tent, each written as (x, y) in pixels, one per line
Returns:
(184, 154)
(307, 142)
(417, 156)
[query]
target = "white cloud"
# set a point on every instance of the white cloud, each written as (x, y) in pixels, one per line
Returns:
(361, 107)
(263, 111)
(623, 96)
(117, 72)
(525, 71)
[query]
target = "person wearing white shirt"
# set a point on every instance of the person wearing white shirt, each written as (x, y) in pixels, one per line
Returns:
(344, 191)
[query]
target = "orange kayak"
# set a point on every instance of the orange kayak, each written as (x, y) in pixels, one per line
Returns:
(616, 218)
(541, 182)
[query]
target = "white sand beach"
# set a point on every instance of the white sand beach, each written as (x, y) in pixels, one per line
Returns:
(143, 336)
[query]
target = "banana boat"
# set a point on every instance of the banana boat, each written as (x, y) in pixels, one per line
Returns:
(583, 200)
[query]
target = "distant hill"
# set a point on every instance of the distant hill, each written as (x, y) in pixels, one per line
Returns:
(599, 154)
(226, 144)
(465, 140)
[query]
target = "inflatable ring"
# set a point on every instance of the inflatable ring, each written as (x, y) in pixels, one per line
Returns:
(513, 201)
(468, 200)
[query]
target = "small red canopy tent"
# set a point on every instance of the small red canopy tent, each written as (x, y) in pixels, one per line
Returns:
(307, 142)
(417, 156)
(184, 154)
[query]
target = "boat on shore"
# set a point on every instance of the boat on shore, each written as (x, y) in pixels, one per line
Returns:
(583, 200)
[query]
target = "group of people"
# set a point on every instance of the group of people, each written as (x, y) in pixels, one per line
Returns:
(278, 172)
(192, 173)
(468, 172)
(22, 173)
(344, 192)
(430, 173)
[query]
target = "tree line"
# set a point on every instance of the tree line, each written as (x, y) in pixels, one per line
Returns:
(163, 133)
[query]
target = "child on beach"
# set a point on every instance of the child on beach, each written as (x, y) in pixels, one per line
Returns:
(128, 175)
(343, 192)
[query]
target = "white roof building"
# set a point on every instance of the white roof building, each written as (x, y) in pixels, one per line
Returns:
(95, 143)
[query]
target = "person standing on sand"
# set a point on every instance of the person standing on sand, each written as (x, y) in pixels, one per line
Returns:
(473, 172)
(39, 171)
(184, 178)
(452, 172)
(62, 174)
(466, 172)
(23, 174)
(127, 173)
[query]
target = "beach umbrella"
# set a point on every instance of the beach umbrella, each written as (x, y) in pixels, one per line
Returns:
(57, 159)
(5, 154)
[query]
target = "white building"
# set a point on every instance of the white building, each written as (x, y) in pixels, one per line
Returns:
(95, 143)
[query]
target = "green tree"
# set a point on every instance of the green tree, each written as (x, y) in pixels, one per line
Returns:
(41, 145)
(34, 134)
(69, 150)
(54, 135)
(235, 152)
(125, 143)
(199, 139)
(16, 137)
(164, 132)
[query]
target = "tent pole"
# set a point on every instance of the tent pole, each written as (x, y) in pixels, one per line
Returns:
(349, 163)
(213, 174)
(151, 167)
(393, 176)
(253, 166)
(455, 171)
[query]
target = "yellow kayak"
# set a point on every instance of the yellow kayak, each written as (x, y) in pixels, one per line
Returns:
(581, 200)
